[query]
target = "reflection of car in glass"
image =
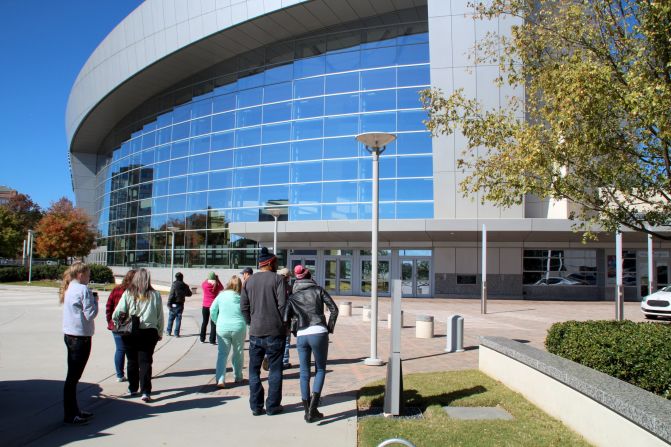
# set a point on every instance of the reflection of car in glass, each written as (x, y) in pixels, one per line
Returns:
(657, 304)
(584, 278)
(558, 281)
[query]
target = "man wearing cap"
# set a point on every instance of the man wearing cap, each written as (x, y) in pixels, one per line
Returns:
(262, 302)
(246, 273)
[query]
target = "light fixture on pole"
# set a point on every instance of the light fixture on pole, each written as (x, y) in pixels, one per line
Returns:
(276, 213)
(375, 143)
(172, 230)
(31, 239)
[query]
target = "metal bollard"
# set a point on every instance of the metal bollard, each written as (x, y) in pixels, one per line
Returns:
(346, 309)
(424, 326)
(455, 334)
(366, 312)
(389, 320)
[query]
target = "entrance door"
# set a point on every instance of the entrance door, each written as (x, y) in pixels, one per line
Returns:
(338, 276)
(662, 275)
(308, 258)
(415, 277)
(383, 276)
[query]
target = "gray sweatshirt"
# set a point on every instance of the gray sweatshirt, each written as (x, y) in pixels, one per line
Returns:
(80, 308)
(262, 302)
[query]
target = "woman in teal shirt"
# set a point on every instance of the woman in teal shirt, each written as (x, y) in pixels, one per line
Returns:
(231, 330)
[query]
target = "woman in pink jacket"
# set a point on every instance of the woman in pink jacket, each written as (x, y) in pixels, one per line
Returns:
(211, 288)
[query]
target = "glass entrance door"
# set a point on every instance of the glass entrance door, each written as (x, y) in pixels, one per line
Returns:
(383, 276)
(338, 276)
(662, 275)
(415, 277)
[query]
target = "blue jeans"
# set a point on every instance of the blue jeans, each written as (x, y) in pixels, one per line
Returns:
(307, 346)
(230, 341)
(285, 358)
(273, 347)
(119, 355)
(175, 314)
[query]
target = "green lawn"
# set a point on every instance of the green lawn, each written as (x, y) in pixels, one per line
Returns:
(431, 391)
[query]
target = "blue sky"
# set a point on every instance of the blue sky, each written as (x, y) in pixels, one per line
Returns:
(43, 45)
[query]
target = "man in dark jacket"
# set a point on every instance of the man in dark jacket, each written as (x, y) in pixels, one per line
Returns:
(178, 293)
(262, 302)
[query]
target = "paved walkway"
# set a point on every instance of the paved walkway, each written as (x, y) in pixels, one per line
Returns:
(187, 405)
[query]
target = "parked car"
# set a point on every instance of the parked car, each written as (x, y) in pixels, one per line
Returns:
(559, 281)
(657, 304)
(586, 278)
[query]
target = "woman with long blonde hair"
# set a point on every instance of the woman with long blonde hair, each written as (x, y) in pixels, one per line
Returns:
(142, 301)
(80, 307)
(231, 329)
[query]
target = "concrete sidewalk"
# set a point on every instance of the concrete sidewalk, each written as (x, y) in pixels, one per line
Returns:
(187, 407)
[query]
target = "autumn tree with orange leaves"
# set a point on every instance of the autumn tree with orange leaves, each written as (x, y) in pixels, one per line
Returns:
(64, 231)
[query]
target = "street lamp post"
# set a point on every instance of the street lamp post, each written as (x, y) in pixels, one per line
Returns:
(375, 143)
(275, 212)
(172, 252)
(31, 239)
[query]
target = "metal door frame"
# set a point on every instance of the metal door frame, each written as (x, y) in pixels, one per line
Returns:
(414, 260)
(337, 259)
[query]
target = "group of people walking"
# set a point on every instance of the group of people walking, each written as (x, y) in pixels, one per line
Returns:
(263, 303)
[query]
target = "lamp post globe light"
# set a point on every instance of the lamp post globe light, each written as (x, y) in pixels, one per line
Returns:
(275, 212)
(375, 143)
(172, 230)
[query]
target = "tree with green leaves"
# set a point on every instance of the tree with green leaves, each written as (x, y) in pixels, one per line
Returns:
(11, 237)
(64, 231)
(594, 126)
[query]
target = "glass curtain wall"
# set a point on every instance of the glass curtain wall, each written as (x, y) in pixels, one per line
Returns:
(278, 134)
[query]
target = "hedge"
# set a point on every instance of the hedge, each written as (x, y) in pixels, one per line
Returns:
(99, 273)
(638, 353)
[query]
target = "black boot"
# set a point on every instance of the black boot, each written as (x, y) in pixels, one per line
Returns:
(313, 413)
(306, 407)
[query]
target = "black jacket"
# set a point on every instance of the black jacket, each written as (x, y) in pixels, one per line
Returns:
(306, 303)
(178, 293)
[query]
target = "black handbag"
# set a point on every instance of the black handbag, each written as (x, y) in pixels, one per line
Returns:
(127, 325)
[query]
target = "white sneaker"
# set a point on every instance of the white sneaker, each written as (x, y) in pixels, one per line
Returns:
(121, 379)
(145, 398)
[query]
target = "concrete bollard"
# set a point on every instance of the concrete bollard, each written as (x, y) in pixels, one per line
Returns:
(455, 334)
(389, 320)
(424, 326)
(366, 312)
(346, 309)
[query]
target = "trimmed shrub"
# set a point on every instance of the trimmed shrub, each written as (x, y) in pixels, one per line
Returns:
(10, 274)
(101, 274)
(45, 271)
(638, 353)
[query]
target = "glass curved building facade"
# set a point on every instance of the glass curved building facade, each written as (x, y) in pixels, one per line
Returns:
(279, 134)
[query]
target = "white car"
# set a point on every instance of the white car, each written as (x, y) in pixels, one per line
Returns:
(657, 304)
(558, 281)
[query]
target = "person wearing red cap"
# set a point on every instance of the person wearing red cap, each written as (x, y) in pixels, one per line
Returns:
(262, 302)
(306, 304)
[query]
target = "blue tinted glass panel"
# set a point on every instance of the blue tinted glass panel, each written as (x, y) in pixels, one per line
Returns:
(177, 185)
(378, 100)
(306, 172)
(417, 37)
(308, 129)
(279, 74)
(246, 177)
(224, 140)
(378, 122)
(277, 92)
(246, 197)
(309, 87)
(196, 202)
(250, 97)
(219, 199)
(248, 117)
(180, 131)
(162, 170)
(340, 147)
(414, 210)
(160, 188)
(302, 194)
(277, 112)
(343, 61)
(308, 108)
(147, 157)
(179, 167)
(181, 113)
(248, 137)
(413, 54)
(200, 145)
(305, 213)
(411, 120)
(306, 150)
(415, 189)
(309, 67)
(275, 153)
(416, 75)
(341, 125)
(197, 182)
(249, 80)
(378, 57)
(346, 82)
(340, 169)
(163, 153)
(273, 194)
(202, 108)
(341, 104)
(224, 103)
(159, 205)
(334, 192)
(223, 121)
(164, 120)
(177, 204)
(164, 135)
(271, 175)
(248, 156)
(408, 98)
(199, 163)
(387, 191)
(414, 143)
(339, 212)
(387, 168)
(420, 166)
(387, 211)
(276, 133)
(221, 179)
(376, 79)
(149, 140)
